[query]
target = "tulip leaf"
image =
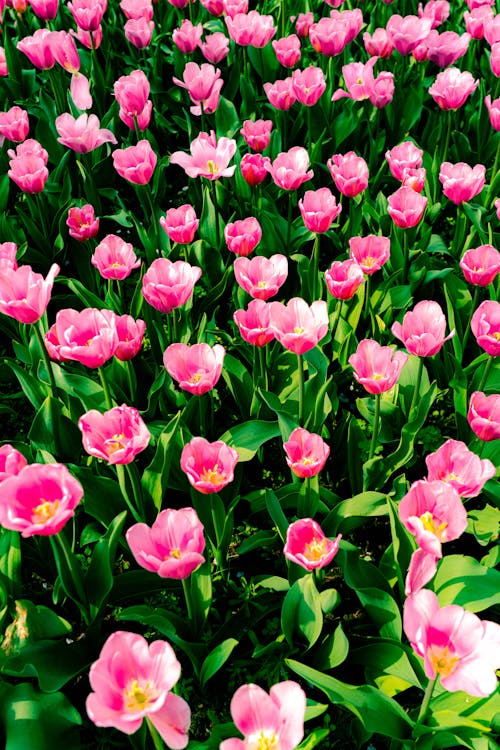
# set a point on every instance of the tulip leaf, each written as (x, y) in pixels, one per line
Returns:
(216, 659)
(349, 514)
(99, 576)
(462, 580)
(333, 651)
(154, 481)
(248, 437)
(301, 611)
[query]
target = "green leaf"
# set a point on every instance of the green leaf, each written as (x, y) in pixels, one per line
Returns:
(380, 657)
(239, 382)
(248, 437)
(99, 576)
(276, 512)
(462, 580)
(301, 611)
(10, 561)
(216, 659)
(333, 651)
(484, 524)
(351, 513)
(154, 481)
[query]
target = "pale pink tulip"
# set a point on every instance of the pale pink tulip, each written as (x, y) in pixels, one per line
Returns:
(196, 368)
(461, 182)
(414, 178)
(477, 20)
(172, 547)
(87, 13)
(131, 681)
(254, 323)
(261, 277)
(11, 462)
(493, 108)
(377, 368)
(8, 252)
(358, 80)
(187, 36)
(87, 336)
(287, 50)
(405, 156)
(116, 436)
(38, 49)
(298, 326)
(422, 569)
(306, 453)
(24, 294)
(131, 93)
(114, 258)
(257, 134)
(437, 11)
(82, 222)
(242, 237)
(139, 32)
(251, 29)
(308, 85)
(180, 224)
(446, 48)
(45, 9)
(27, 170)
(14, 124)
(215, 48)
(64, 51)
(135, 163)
(423, 328)
(407, 32)
(328, 36)
(209, 157)
(167, 285)
(290, 168)
(82, 134)
(80, 91)
(232, 7)
(280, 93)
(406, 207)
(454, 463)
(370, 252)
(198, 80)
(208, 466)
(480, 265)
(378, 44)
(343, 278)
(307, 546)
(319, 209)
(485, 325)
(452, 88)
(484, 415)
(89, 39)
(349, 173)
(303, 24)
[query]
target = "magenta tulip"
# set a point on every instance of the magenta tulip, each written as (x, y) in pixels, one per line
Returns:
(306, 453)
(24, 295)
(343, 278)
(406, 207)
(370, 252)
(116, 436)
(257, 134)
(307, 546)
(11, 462)
(196, 368)
(167, 285)
(242, 237)
(208, 466)
(455, 464)
(87, 336)
(82, 222)
(254, 323)
(376, 367)
(290, 168)
(484, 415)
(261, 277)
(297, 325)
(349, 173)
(319, 209)
(423, 328)
(485, 325)
(114, 258)
(180, 224)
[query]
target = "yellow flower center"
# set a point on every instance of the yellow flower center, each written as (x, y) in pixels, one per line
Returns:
(212, 167)
(441, 660)
(115, 444)
(175, 552)
(369, 261)
(299, 330)
(214, 476)
(45, 511)
(261, 284)
(138, 697)
(315, 549)
(496, 335)
(430, 524)
(266, 739)
(194, 379)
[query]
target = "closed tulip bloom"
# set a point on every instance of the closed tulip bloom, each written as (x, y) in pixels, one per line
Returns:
(215, 48)
(461, 182)
(131, 681)
(319, 209)
(480, 265)
(64, 50)
(477, 20)
(135, 163)
(297, 325)
(446, 48)
(328, 36)
(254, 323)
(307, 546)
(198, 80)
(306, 453)
(290, 168)
(232, 7)
(38, 49)
(280, 94)
(452, 88)
(114, 258)
(208, 466)
(87, 336)
(180, 224)
(28, 171)
(187, 37)
(378, 44)
(82, 222)
(352, 20)
(458, 647)
(167, 285)
(132, 91)
(242, 237)
(130, 334)
(343, 278)
(139, 32)
(287, 50)
(209, 157)
(274, 719)
(87, 13)
(116, 436)
(30, 147)
(11, 462)
(414, 178)
(493, 108)
(14, 124)
(407, 32)
(39, 500)
(303, 24)
(261, 277)
(45, 9)
(172, 547)
(377, 368)
(251, 29)
(8, 252)
(485, 325)
(371, 252)
(257, 134)
(253, 168)
(437, 11)
(455, 464)
(349, 173)
(24, 294)
(484, 415)
(406, 155)
(196, 368)
(406, 207)
(308, 85)
(423, 329)
(215, 7)
(492, 30)
(142, 119)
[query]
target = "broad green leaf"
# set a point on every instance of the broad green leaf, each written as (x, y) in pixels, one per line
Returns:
(216, 659)
(99, 576)
(248, 437)
(301, 611)
(383, 658)
(462, 580)
(333, 651)
(276, 512)
(355, 511)
(154, 481)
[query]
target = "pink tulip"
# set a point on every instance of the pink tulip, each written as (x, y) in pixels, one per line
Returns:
(455, 464)
(303, 24)
(378, 44)
(242, 237)
(343, 278)
(28, 171)
(251, 29)
(29, 148)
(253, 168)
(276, 718)
(254, 323)
(82, 222)
(14, 124)
(414, 178)
(423, 329)
(307, 546)
(82, 134)
(308, 85)
(139, 32)
(24, 295)
(208, 466)
(4, 71)
(461, 182)
(89, 39)
(11, 462)
(196, 368)
(131, 93)
(198, 80)
(446, 48)
(87, 13)
(215, 7)
(352, 20)
(180, 224)
(493, 108)
(135, 163)
(261, 277)
(377, 367)
(492, 30)
(290, 168)
(485, 325)
(130, 334)
(257, 134)
(406, 207)
(131, 681)
(452, 88)
(497, 207)
(39, 500)
(116, 436)
(319, 209)
(114, 258)
(480, 265)
(233, 7)
(298, 326)
(370, 252)
(38, 49)
(172, 547)
(358, 79)
(80, 91)
(87, 336)
(434, 513)
(407, 32)
(306, 453)
(167, 285)
(437, 11)
(209, 157)
(328, 36)
(287, 50)
(280, 93)
(477, 20)
(45, 9)
(382, 92)
(484, 415)
(64, 51)
(404, 156)
(8, 252)
(349, 173)
(458, 647)
(215, 48)
(422, 569)
(187, 37)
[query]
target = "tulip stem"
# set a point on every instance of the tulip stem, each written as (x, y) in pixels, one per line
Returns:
(262, 366)
(122, 481)
(216, 212)
(448, 134)
(315, 268)
(467, 330)
(416, 390)
(300, 370)
(289, 223)
(376, 420)
(426, 701)
(338, 311)
(493, 173)
(107, 395)
(39, 334)
(157, 740)
(486, 372)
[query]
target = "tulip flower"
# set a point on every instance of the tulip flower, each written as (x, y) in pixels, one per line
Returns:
(82, 222)
(446, 48)
(87, 13)
(11, 462)
(139, 32)
(461, 182)
(209, 157)
(14, 124)
(253, 168)
(261, 277)
(215, 48)
(328, 36)
(370, 252)
(251, 29)
(180, 224)
(485, 325)
(437, 11)
(172, 547)
(24, 295)
(196, 368)
(484, 415)
(303, 24)
(242, 237)
(423, 329)
(308, 85)
(167, 285)
(306, 453)
(319, 209)
(287, 50)
(130, 334)
(257, 134)
(208, 466)
(377, 367)
(131, 93)
(307, 546)
(87, 336)
(114, 258)
(45, 9)
(135, 163)
(406, 207)
(407, 32)
(458, 647)
(187, 37)
(8, 252)
(421, 570)
(298, 326)
(404, 156)
(254, 323)
(116, 436)
(378, 44)
(290, 168)
(37, 49)
(452, 88)
(280, 93)
(480, 265)
(28, 167)
(477, 20)
(132, 681)
(198, 80)
(343, 278)
(349, 173)
(455, 464)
